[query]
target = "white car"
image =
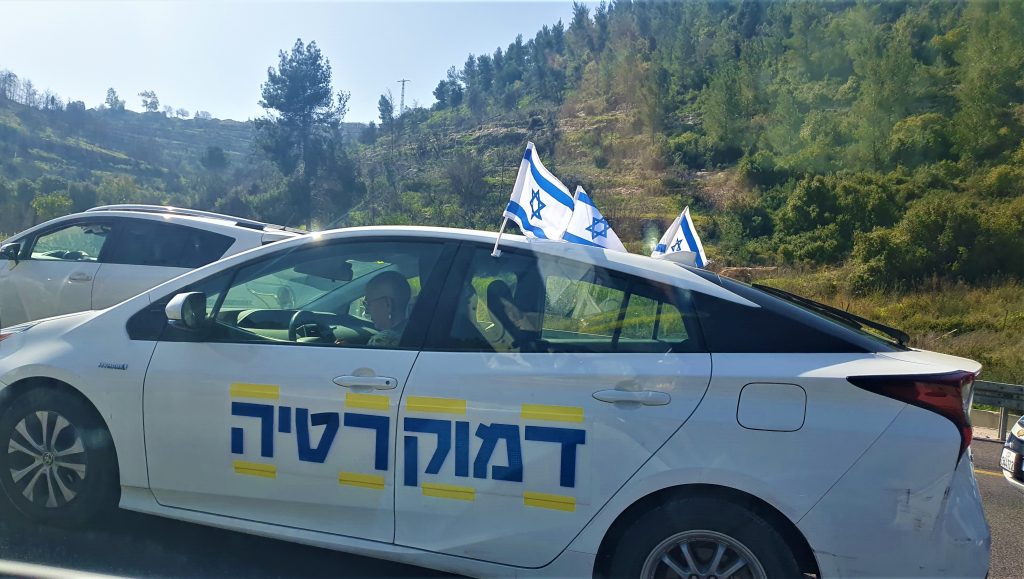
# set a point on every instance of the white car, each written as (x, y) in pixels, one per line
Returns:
(98, 258)
(557, 410)
(1011, 461)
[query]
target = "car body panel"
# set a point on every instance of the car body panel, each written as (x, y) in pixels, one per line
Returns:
(312, 439)
(908, 490)
(36, 289)
(543, 496)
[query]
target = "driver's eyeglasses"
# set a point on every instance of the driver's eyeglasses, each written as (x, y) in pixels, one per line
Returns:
(369, 301)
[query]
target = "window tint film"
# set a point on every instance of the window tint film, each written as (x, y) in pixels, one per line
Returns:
(342, 295)
(80, 242)
(525, 303)
(158, 244)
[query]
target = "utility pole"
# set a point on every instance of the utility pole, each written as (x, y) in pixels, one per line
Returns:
(401, 107)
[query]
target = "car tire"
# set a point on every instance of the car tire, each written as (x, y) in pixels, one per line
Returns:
(57, 460)
(684, 537)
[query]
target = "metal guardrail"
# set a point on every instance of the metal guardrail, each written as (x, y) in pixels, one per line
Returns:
(1006, 396)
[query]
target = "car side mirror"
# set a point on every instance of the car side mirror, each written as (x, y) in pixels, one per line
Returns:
(10, 251)
(187, 310)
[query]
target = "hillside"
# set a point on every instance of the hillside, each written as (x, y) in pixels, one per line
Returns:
(872, 153)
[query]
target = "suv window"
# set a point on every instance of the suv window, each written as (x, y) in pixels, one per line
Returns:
(78, 242)
(526, 303)
(151, 243)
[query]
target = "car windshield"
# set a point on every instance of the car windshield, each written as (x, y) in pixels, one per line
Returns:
(288, 288)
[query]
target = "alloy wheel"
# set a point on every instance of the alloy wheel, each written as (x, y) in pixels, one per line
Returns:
(47, 459)
(702, 555)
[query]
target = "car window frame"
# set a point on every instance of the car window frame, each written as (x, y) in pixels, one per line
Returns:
(438, 338)
(412, 338)
(28, 242)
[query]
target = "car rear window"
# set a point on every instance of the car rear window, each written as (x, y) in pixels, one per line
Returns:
(777, 326)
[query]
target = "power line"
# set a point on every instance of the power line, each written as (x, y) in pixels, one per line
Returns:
(401, 107)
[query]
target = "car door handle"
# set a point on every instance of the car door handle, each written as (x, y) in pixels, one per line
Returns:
(375, 382)
(644, 397)
(80, 276)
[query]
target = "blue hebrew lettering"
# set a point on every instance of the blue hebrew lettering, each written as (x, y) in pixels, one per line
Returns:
(490, 436)
(265, 413)
(461, 448)
(569, 438)
(303, 420)
(284, 419)
(381, 425)
(443, 430)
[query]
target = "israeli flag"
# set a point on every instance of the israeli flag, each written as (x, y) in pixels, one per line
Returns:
(589, 227)
(681, 236)
(540, 203)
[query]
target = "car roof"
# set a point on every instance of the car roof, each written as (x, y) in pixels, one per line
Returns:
(660, 270)
(209, 223)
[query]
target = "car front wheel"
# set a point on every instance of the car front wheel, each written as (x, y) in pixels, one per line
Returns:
(702, 538)
(57, 462)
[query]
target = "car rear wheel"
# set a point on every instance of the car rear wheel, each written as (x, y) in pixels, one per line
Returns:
(702, 538)
(57, 462)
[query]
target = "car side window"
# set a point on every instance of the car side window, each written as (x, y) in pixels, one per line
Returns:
(78, 242)
(155, 244)
(526, 303)
(342, 295)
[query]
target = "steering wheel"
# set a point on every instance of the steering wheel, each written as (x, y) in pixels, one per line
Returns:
(308, 318)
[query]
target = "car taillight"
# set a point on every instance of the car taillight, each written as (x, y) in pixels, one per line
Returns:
(5, 336)
(949, 395)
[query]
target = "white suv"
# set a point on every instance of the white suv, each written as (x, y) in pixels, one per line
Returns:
(98, 258)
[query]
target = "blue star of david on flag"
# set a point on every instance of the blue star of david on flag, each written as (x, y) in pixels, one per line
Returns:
(589, 227)
(685, 237)
(599, 228)
(536, 205)
(540, 204)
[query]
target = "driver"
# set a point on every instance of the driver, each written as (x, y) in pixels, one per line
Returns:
(387, 301)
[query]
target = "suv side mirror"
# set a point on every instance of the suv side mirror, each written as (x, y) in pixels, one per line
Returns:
(10, 251)
(187, 310)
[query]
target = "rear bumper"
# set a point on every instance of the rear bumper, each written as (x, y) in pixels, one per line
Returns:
(901, 511)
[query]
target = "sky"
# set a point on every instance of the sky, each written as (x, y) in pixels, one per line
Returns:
(213, 55)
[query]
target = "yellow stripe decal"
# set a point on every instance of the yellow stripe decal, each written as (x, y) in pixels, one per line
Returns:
(554, 413)
(449, 492)
(240, 390)
(546, 501)
(367, 401)
(366, 481)
(255, 469)
(442, 405)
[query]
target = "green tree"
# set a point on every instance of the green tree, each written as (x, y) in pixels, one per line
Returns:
(150, 103)
(302, 120)
(112, 101)
(214, 159)
(990, 92)
(50, 205)
(386, 110)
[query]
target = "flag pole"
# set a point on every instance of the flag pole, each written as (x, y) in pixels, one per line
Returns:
(497, 252)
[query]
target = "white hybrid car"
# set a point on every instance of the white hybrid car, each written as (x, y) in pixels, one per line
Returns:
(557, 410)
(95, 259)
